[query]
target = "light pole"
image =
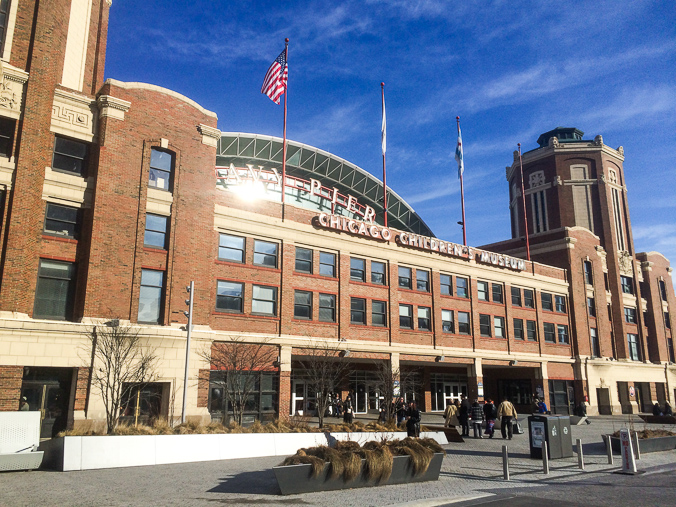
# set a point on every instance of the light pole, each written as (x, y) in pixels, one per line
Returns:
(191, 292)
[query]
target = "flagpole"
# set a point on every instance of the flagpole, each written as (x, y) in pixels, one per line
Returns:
(286, 94)
(523, 197)
(382, 90)
(462, 194)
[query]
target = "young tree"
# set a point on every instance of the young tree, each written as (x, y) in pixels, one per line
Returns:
(241, 364)
(393, 383)
(324, 368)
(121, 360)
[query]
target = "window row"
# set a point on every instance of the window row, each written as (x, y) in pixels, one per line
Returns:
(305, 262)
(552, 303)
(230, 298)
(554, 331)
(233, 249)
(358, 271)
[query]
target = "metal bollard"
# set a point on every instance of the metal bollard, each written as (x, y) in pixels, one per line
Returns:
(545, 459)
(505, 463)
(609, 448)
(637, 450)
(580, 456)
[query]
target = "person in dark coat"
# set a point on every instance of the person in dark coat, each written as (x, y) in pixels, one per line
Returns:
(413, 417)
(657, 410)
(489, 414)
(463, 416)
(667, 409)
(401, 411)
(477, 416)
(348, 410)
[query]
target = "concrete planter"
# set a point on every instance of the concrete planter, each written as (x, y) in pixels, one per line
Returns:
(647, 444)
(295, 479)
(86, 453)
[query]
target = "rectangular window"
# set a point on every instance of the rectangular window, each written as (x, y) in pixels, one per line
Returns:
(550, 332)
(161, 168)
(560, 304)
(485, 325)
(463, 323)
(230, 296)
(55, 290)
(62, 220)
(422, 279)
(70, 156)
(447, 324)
(667, 322)
(378, 273)
(303, 260)
(634, 352)
(563, 333)
(595, 348)
(461, 287)
(539, 209)
(265, 253)
(516, 296)
(357, 270)
(424, 318)
(528, 298)
(630, 315)
(446, 285)
(482, 290)
(404, 278)
(663, 290)
(302, 305)
(547, 302)
(357, 311)
(591, 307)
(264, 300)
(499, 327)
(327, 307)
(327, 264)
(518, 329)
(588, 276)
(231, 248)
(497, 293)
(406, 316)
(7, 125)
(627, 284)
(379, 313)
(150, 296)
(531, 331)
(156, 231)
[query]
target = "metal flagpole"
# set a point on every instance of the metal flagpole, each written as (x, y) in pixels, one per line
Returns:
(462, 191)
(286, 94)
(523, 197)
(384, 141)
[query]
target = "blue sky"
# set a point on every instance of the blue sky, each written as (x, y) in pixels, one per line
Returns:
(511, 70)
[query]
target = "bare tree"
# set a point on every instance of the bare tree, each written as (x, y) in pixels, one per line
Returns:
(241, 364)
(121, 360)
(392, 383)
(324, 369)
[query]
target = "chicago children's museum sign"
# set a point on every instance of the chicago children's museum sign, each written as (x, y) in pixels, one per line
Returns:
(410, 240)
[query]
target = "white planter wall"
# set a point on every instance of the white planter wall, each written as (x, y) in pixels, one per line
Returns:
(86, 453)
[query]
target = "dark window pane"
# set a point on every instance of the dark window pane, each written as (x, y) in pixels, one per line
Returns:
(62, 220)
(69, 155)
(327, 264)
(55, 290)
(150, 297)
(303, 260)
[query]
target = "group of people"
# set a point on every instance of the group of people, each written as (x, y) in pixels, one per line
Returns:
(657, 410)
(463, 413)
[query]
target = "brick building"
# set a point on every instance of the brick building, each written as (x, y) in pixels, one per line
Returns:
(114, 196)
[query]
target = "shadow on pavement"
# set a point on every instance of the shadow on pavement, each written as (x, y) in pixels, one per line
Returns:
(261, 482)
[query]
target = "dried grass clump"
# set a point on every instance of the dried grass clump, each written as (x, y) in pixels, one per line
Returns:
(379, 461)
(347, 446)
(141, 429)
(213, 428)
(419, 454)
(643, 434)
(187, 428)
(301, 458)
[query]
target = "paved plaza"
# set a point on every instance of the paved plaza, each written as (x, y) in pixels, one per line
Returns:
(470, 469)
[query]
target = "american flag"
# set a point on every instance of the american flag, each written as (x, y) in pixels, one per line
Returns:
(274, 84)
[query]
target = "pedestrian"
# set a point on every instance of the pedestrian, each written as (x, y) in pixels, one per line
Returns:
(463, 417)
(542, 407)
(382, 418)
(657, 410)
(413, 417)
(348, 410)
(506, 412)
(667, 409)
(477, 416)
(451, 416)
(489, 414)
(23, 404)
(401, 411)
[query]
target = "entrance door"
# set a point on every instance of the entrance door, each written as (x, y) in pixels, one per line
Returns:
(449, 392)
(302, 402)
(52, 402)
(375, 399)
(603, 397)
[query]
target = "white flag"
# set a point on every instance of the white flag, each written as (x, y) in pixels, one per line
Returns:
(458, 154)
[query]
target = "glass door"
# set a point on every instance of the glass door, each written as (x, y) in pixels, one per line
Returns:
(51, 401)
(299, 395)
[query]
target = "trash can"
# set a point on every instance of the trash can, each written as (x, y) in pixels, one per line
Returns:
(545, 428)
(565, 436)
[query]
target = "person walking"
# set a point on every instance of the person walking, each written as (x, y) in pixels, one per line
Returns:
(506, 412)
(463, 417)
(477, 416)
(451, 416)
(667, 409)
(413, 417)
(348, 410)
(489, 415)
(400, 411)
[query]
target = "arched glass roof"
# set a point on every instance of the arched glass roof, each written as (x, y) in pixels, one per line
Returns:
(307, 162)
